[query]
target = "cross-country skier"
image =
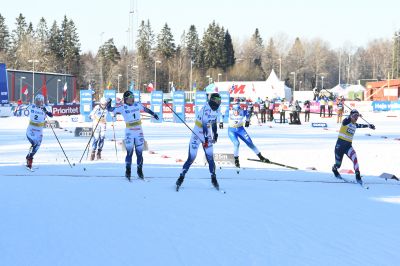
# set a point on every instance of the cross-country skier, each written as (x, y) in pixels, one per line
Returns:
(205, 133)
(344, 143)
(133, 132)
(34, 132)
(98, 115)
(237, 118)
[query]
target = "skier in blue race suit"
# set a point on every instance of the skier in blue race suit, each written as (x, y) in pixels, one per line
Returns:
(205, 133)
(236, 131)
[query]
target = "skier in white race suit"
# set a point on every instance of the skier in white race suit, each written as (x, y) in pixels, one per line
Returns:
(98, 115)
(34, 132)
(134, 137)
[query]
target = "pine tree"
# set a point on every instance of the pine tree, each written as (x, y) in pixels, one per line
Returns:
(70, 46)
(42, 32)
(144, 44)
(192, 43)
(55, 46)
(271, 57)
(229, 53)
(4, 39)
(166, 51)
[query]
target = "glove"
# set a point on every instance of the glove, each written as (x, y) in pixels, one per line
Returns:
(215, 137)
(247, 124)
(205, 143)
(43, 109)
(156, 116)
(108, 105)
(371, 126)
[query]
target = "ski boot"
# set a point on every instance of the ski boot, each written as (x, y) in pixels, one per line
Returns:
(98, 154)
(262, 158)
(358, 177)
(128, 172)
(92, 155)
(179, 181)
(335, 172)
(29, 162)
(214, 181)
(140, 173)
(237, 164)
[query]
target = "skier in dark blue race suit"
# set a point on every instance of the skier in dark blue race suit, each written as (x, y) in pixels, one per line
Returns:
(344, 143)
(205, 133)
(236, 131)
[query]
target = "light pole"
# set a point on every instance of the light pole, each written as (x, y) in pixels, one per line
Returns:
(135, 74)
(155, 73)
(219, 74)
(33, 61)
(20, 86)
(191, 75)
(280, 68)
(322, 82)
(119, 75)
(58, 81)
(294, 83)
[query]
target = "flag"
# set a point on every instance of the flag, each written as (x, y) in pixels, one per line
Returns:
(25, 90)
(194, 86)
(150, 87)
(65, 89)
(109, 85)
(44, 90)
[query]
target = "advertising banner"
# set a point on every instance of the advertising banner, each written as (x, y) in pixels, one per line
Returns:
(385, 106)
(136, 94)
(200, 100)
(179, 106)
(157, 105)
(3, 84)
(85, 104)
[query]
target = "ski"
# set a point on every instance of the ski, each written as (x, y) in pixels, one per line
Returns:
(361, 183)
(30, 169)
(275, 163)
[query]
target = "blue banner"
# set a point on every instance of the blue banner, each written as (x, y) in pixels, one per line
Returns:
(224, 107)
(113, 96)
(86, 104)
(3, 84)
(136, 94)
(385, 106)
(200, 100)
(157, 105)
(178, 100)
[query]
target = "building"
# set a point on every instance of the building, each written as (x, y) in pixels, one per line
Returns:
(385, 90)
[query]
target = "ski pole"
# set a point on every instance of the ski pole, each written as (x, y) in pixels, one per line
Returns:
(183, 121)
(91, 136)
(48, 122)
(115, 140)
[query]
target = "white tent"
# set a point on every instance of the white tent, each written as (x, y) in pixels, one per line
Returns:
(338, 90)
(277, 88)
(271, 88)
(355, 88)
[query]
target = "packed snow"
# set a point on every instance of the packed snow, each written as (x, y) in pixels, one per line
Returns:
(89, 214)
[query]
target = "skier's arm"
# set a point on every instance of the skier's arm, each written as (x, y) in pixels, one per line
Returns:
(147, 110)
(49, 114)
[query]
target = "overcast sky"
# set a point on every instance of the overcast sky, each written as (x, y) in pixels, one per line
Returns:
(338, 22)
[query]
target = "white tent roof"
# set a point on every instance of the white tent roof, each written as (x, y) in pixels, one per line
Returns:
(277, 88)
(355, 88)
(338, 90)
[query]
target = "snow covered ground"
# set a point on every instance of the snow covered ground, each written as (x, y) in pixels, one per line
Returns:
(90, 215)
